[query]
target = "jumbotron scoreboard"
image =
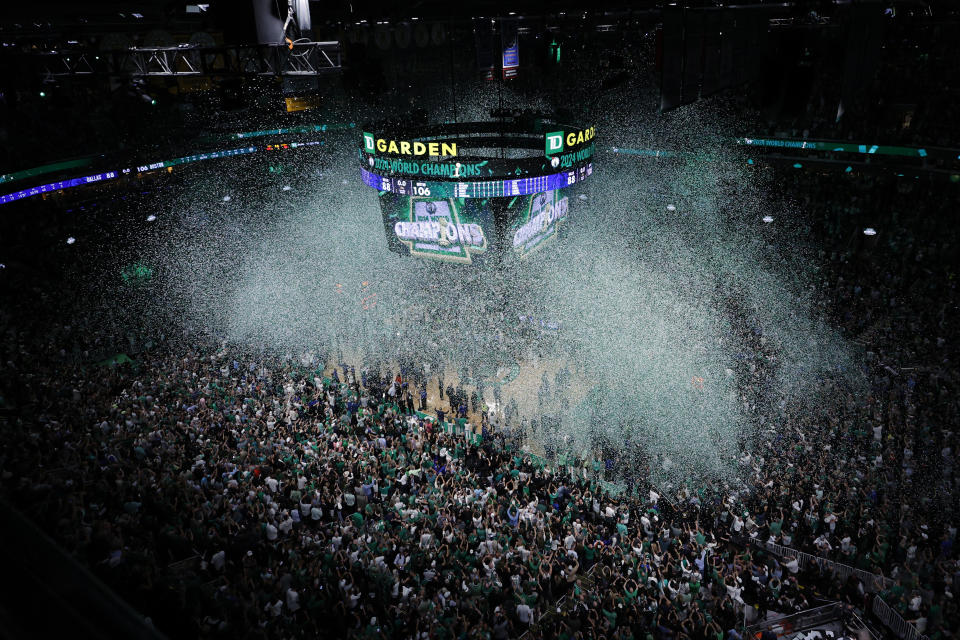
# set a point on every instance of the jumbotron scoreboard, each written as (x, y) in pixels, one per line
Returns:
(467, 192)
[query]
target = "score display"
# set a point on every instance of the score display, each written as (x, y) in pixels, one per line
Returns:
(476, 188)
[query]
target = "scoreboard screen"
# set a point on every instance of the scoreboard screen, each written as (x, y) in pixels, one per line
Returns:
(472, 230)
(438, 228)
(535, 220)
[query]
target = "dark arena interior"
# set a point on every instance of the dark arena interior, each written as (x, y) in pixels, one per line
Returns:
(435, 320)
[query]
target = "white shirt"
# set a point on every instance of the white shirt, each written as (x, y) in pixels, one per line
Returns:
(293, 600)
(524, 613)
(831, 520)
(793, 565)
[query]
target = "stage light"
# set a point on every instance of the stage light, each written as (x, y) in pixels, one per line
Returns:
(768, 219)
(151, 218)
(71, 240)
(869, 231)
(43, 94)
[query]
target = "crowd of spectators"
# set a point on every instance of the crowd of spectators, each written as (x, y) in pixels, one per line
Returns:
(226, 494)
(903, 92)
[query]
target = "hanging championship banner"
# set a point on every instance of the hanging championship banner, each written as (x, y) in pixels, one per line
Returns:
(510, 43)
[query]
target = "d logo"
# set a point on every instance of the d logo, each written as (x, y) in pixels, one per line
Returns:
(554, 142)
(368, 144)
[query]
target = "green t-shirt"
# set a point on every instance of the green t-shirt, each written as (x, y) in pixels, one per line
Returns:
(611, 616)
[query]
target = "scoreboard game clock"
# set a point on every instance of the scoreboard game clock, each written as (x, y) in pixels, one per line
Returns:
(463, 192)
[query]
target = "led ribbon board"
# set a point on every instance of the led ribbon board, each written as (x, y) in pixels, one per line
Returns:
(486, 159)
(110, 175)
(476, 188)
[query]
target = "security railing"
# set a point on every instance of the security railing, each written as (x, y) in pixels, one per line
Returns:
(894, 621)
(872, 583)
